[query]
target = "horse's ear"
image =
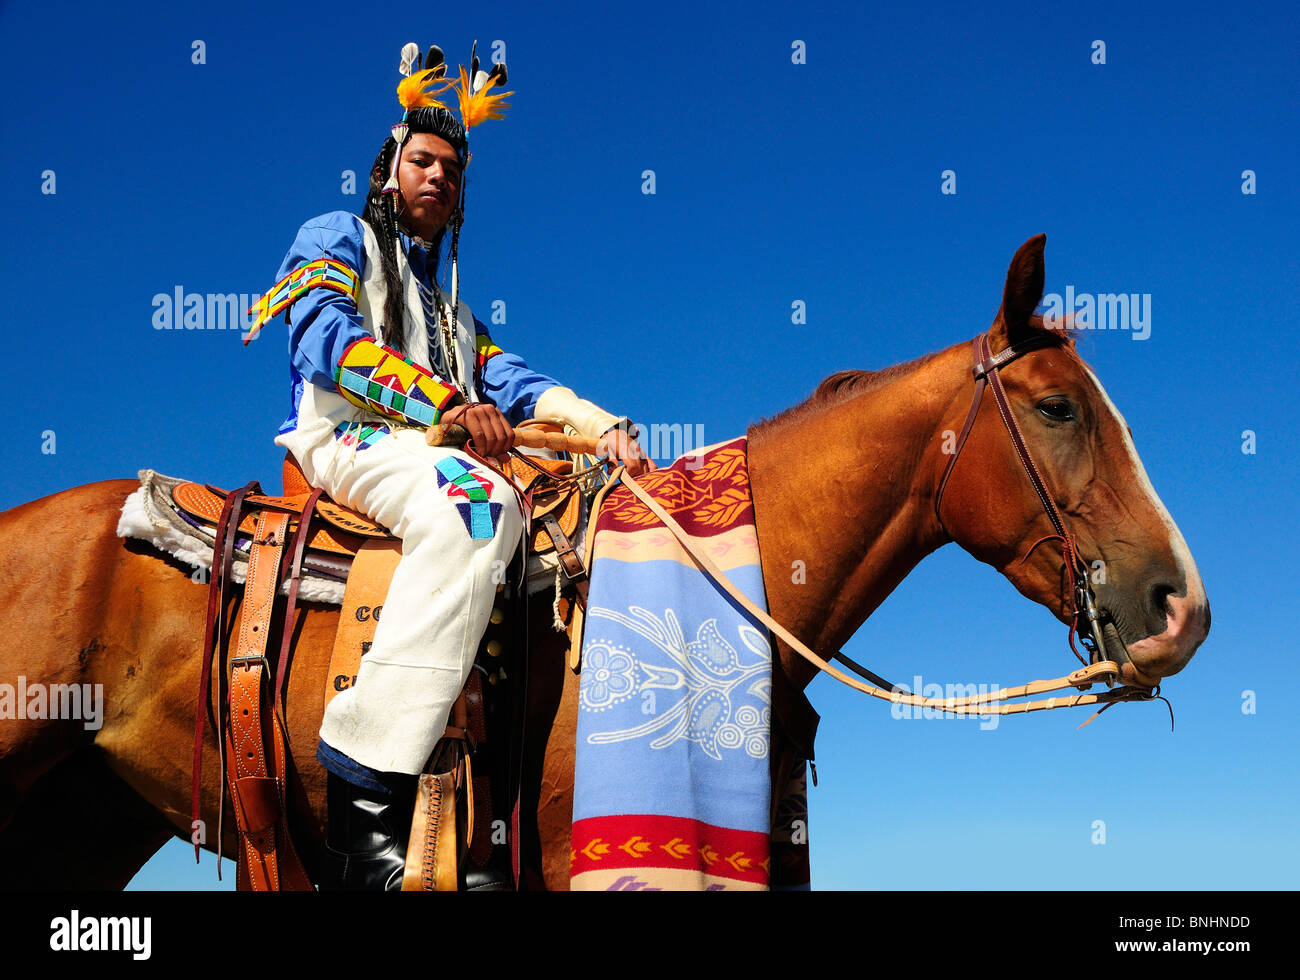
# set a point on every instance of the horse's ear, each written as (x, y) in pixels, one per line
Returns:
(1021, 295)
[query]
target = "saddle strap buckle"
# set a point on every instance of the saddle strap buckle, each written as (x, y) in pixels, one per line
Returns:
(570, 562)
(251, 659)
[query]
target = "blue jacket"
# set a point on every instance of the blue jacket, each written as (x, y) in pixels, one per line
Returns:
(323, 323)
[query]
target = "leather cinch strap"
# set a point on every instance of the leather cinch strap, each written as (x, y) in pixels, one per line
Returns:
(294, 579)
(223, 553)
(267, 860)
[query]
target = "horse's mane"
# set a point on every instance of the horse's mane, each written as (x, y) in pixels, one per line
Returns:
(839, 386)
(846, 384)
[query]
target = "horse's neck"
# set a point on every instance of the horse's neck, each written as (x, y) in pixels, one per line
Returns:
(844, 501)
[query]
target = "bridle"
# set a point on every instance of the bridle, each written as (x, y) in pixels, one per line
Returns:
(1001, 701)
(1084, 619)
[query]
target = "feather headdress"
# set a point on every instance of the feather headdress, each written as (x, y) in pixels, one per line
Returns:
(421, 87)
(477, 103)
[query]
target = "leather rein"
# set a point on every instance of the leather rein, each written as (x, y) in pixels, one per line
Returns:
(1096, 669)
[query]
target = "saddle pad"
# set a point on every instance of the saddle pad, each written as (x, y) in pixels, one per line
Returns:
(149, 514)
(671, 784)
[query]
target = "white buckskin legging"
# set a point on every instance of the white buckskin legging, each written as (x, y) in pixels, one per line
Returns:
(441, 593)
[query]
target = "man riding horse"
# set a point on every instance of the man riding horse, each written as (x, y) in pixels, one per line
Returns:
(379, 352)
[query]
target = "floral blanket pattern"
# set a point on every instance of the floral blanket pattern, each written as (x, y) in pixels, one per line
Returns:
(672, 789)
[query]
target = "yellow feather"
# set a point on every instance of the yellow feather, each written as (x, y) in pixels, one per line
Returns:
(474, 108)
(421, 89)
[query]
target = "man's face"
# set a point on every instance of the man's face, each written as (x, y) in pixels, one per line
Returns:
(429, 178)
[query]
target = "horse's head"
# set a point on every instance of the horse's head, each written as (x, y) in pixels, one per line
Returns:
(1152, 604)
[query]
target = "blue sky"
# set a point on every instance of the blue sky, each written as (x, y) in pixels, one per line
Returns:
(775, 182)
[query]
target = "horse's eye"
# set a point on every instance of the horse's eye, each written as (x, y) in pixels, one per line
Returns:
(1056, 410)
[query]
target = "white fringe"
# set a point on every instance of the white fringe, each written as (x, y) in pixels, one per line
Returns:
(138, 521)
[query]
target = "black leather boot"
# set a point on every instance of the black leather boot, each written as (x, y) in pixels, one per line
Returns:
(365, 843)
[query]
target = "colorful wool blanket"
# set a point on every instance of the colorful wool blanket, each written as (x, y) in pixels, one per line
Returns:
(672, 789)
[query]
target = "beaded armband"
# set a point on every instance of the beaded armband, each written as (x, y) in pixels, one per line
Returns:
(322, 273)
(380, 380)
(483, 349)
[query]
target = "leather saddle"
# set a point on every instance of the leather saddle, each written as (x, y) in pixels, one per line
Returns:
(333, 543)
(346, 545)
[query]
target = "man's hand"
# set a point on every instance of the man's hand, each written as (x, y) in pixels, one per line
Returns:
(621, 448)
(489, 430)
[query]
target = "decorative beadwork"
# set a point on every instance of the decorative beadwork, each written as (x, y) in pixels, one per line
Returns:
(437, 323)
(322, 273)
(483, 349)
(360, 435)
(480, 514)
(380, 380)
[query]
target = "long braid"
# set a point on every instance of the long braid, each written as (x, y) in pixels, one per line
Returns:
(381, 214)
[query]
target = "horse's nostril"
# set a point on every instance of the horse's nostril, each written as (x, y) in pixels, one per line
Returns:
(1159, 599)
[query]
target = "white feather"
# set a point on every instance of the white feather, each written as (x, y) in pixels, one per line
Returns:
(410, 53)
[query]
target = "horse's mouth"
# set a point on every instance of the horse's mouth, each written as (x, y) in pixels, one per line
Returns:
(1129, 672)
(1132, 676)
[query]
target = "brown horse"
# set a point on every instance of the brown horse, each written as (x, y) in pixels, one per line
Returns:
(79, 605)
